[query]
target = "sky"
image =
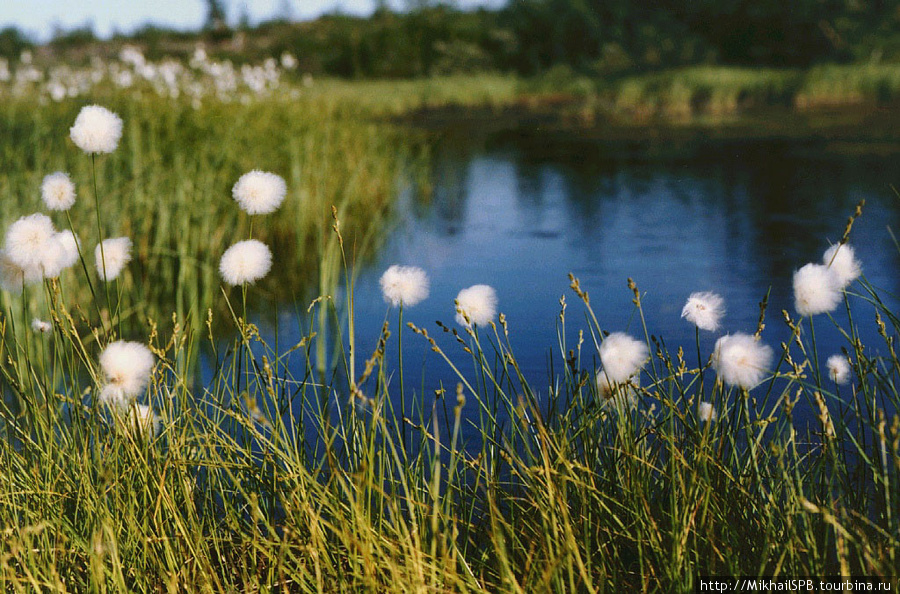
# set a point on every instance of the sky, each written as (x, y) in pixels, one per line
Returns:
(39, 18)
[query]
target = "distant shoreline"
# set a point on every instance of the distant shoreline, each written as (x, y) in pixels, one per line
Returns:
(571, 118)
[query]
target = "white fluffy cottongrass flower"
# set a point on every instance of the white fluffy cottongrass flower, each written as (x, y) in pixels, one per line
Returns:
(741, 360)
(817, 290)
(476, 305)
(58, 191)
(142, 419)
(96, 130)
(114, 397)
(622, 356)
(404, 284)
(245, 262)
(842, 260)
(704, 310)
(111, 256)
(626, 392)
(706, 412)
(27, 240)
(56, 256)
(70, 244)
(127, 366)
(13, 276)
(838, 369)
(259, 192)
(39, 326)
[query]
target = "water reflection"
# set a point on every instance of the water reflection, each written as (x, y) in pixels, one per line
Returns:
(737, 219)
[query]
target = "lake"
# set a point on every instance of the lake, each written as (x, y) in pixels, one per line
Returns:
(519, 212)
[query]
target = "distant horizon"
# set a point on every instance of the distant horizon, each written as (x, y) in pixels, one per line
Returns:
(42, 19)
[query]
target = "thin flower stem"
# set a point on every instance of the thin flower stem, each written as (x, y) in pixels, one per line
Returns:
(117, 315)
(699, 358)
(100, 239)
(244, 340)
(84, 267)
(402, 387)
(25, 327)
(812, 332)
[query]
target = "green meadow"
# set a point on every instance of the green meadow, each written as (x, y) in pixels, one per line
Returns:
(272, 467)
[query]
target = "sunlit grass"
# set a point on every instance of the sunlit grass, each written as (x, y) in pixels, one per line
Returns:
(727, 91)
(398, 97)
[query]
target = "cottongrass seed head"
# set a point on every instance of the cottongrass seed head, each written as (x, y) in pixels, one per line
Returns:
(741, 360)
(842, 260)
(96, 130)
(39, 326)
(143, 420)
(259, 192)
(113, 396)
(622, 356)
(13, 277)
(626, 392)
(111, 256)
(127, 366)
(70, 245)
(58, 191)
(476, 306)
(706, 412)
(704, 310)
(57, 255)
(816, 290)
(245, 262)
(838, 369)
(404, 284)
(27, 240)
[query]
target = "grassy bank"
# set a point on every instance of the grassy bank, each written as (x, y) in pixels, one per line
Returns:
(711, 96)
(720, 91)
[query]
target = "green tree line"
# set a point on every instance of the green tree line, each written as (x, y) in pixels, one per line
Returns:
(601, 36)
(532, 36)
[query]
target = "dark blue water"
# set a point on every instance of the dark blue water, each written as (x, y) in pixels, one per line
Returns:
(519, 215)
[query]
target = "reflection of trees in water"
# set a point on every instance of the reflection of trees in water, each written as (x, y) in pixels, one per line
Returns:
(795, 196)
(450, 172)
(795, 203)
(750, 211)
(759, 209)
